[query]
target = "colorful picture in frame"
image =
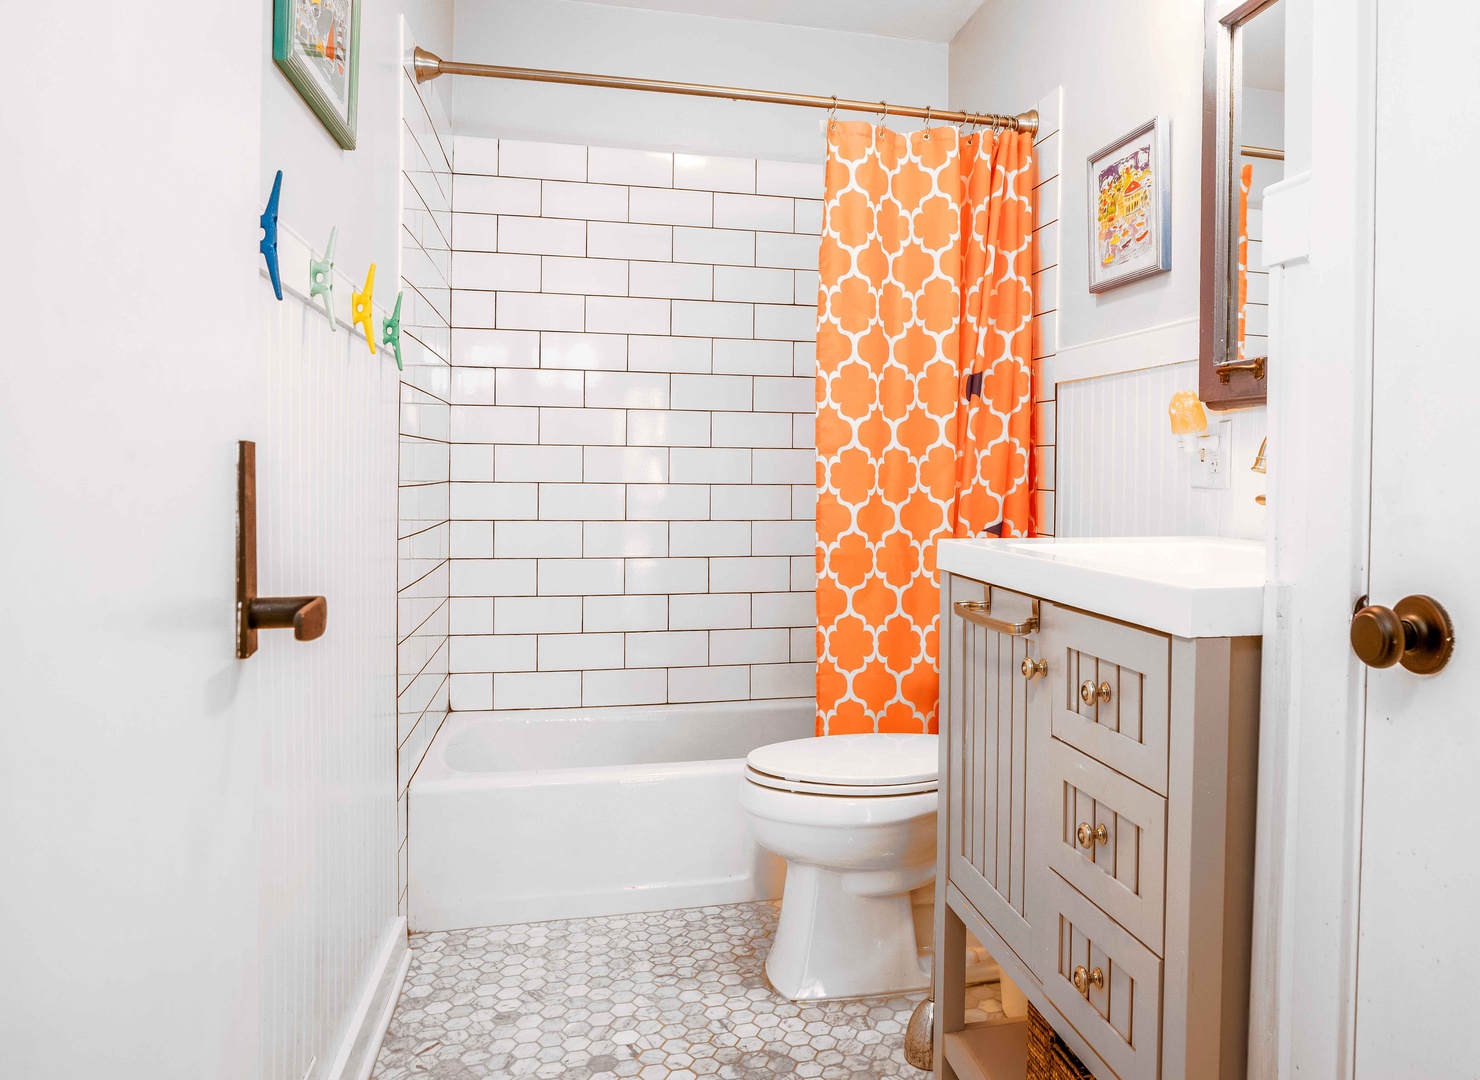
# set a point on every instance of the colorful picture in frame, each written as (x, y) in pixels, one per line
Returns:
(1130, 202)
(317, 44)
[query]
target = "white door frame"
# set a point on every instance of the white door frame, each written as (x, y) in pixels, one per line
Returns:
(1306, 889)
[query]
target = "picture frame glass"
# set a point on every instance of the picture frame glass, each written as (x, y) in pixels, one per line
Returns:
(1128, 202)
(317, 44)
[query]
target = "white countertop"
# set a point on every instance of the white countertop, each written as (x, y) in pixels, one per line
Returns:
(1189, 586)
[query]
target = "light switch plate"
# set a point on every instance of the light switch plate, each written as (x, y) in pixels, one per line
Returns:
(1212, 455)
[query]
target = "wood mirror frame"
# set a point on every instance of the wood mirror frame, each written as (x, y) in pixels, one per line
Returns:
(1223, 382)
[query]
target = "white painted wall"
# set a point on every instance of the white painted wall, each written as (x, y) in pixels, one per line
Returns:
(1119, 63)
(663, 45)
(359, 190)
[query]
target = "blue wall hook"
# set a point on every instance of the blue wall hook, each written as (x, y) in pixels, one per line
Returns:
(268, 246)
(390, 331)
(321, 278)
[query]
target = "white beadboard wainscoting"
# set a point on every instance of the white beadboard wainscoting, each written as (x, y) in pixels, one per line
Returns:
(330, 937)
(1122, 474)
(425, 433)
(633, 459)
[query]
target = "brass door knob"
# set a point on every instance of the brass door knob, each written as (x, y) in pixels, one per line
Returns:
(1089, 836)
(1032, 669)
(1415, 632)
(1089, 693)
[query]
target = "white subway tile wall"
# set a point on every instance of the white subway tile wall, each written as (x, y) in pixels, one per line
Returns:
(1046, 317)
(631, 494)
(429, 385)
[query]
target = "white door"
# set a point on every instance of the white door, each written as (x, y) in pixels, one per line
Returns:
(131, 365)
(1419, 938)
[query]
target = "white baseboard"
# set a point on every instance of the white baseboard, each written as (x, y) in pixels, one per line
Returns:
(367, 1027)
(1156, 346)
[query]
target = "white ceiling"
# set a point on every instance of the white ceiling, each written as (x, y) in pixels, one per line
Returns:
(919, 20)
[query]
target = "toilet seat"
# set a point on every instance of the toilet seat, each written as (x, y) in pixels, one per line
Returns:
(852, 791)
(852, 766)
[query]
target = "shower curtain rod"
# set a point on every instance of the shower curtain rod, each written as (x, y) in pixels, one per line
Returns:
(429, 65)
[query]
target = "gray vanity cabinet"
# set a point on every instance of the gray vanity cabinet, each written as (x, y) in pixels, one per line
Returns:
(1097, 833)
(999, 727)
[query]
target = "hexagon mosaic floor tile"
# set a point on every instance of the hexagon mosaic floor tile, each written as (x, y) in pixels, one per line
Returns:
(667, 995)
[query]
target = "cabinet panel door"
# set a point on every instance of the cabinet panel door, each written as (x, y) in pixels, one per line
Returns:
(1126, 672)
(1119, 1015)
(1125, 874)
(995, 725)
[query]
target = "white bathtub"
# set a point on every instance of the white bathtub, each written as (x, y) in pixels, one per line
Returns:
(524, 816)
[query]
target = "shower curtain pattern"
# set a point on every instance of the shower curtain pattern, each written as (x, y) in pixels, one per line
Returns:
(1245, 183)
(923, 398)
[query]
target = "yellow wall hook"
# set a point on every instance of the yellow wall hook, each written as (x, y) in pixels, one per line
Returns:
(362, 306)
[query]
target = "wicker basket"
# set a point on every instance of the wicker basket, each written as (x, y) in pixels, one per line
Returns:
(1048, 1057)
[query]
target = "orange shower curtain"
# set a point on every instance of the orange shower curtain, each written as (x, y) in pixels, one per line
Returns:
(1245, 182)
(924, 399)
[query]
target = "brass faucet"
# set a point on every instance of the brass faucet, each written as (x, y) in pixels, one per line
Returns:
(1260, 465)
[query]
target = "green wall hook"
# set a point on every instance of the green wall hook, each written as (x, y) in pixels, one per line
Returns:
(321, 278)
(390, 331)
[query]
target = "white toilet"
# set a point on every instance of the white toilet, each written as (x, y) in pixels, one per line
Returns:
(854, 818)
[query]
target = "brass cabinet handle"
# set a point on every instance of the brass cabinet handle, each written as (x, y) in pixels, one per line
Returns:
(1089, 693)
(1415, 632)
(306, 616)
(1033, 669)
(1088, 837)
(979, 612)
(1083, 979)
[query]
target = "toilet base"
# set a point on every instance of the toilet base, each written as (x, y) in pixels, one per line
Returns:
(834, 942)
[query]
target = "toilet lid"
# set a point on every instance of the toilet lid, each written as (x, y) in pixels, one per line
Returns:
(871, 763)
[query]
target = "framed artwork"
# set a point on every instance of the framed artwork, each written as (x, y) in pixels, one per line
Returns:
(317, 44)
(1130, 207)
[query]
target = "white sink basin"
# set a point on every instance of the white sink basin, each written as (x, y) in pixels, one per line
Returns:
(1190, 586)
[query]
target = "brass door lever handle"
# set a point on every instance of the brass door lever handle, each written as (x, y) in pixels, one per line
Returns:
(307, 616)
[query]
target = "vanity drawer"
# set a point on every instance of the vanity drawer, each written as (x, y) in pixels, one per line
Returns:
(1118, 1012)
(1110, 686)
(1109, 840)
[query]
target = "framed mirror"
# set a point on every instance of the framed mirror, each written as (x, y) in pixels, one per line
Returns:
(1243, 153)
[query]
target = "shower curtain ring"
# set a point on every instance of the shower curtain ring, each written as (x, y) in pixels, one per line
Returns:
(832, 114)
(927, 121)
(884, 114)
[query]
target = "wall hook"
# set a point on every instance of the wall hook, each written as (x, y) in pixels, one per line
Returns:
(268, 246)
(391, 331)
(321, 278)
(362, 309)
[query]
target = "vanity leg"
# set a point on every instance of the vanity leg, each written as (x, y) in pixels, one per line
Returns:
(950, 978)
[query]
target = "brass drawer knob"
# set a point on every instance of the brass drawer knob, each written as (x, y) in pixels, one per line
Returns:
(1084, 979)
(1089, 837)
(1033, 669)
(1089, 693)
